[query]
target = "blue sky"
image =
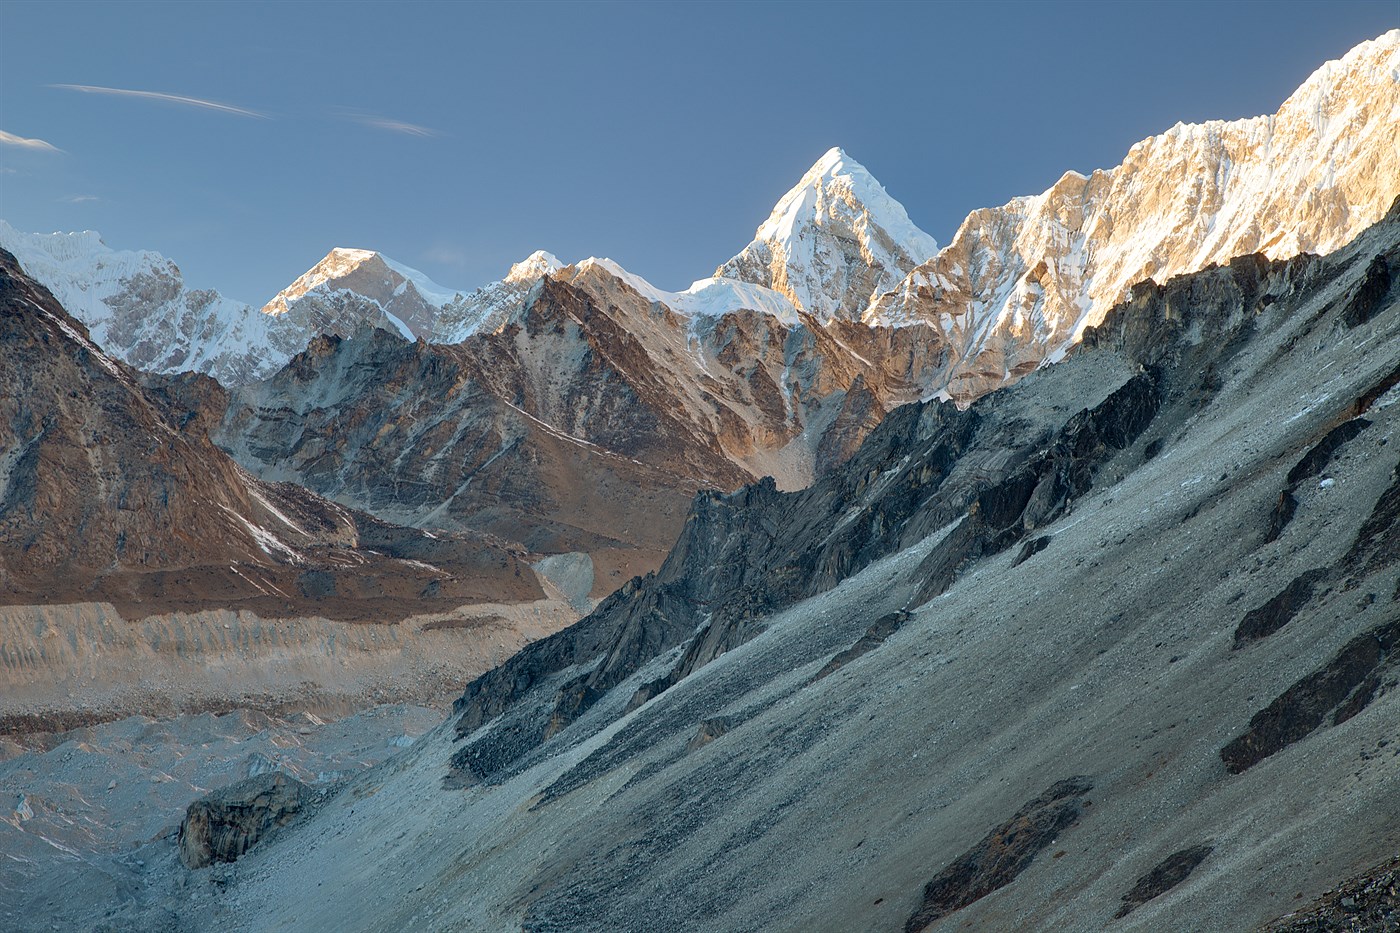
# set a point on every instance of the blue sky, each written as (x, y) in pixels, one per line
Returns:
(458, 138)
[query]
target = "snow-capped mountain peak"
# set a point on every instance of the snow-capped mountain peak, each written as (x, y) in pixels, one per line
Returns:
(371, 275)
(354, 286)
(137, 306)
(533, 266)
(836, 170)
(833, 241)
(338, 263)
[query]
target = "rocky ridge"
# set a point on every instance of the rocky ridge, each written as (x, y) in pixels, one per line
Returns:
(1019, 284)
(582, 421)
(110, 489)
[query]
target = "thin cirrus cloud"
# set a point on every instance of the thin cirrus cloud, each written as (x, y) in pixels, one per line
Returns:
(80, 198)
(388, 124)
(167, 98)
(39, 145)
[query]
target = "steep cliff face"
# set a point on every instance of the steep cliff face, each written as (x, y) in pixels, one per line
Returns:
(1019, 284)
(111, 489)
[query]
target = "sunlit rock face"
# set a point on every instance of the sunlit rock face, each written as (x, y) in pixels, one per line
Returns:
(1020, 283)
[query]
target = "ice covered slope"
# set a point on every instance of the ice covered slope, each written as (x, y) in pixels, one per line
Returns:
(137, 307)
(1019, 283)
(833, 243)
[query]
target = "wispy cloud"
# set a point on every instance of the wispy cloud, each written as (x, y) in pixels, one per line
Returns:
(388, 124)
(447, 255)
(79, 198)
(168, 98)
(10, 139)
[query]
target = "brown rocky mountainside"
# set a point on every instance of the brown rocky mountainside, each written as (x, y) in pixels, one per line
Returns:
(583, 423)
(111, 490)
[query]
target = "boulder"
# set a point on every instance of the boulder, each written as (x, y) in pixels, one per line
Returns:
(222, 826)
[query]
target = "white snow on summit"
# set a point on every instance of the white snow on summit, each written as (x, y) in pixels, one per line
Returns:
(801, 206)
(137, 307)
(533, 266)
(833, 242)
(1020, 283)
(371, 275)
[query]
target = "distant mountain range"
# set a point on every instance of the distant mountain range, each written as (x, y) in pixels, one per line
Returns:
(1018, 283)
(547, 406)
(111, 490)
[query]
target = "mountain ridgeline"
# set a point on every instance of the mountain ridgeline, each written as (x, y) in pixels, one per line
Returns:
(576, 408)
(111, 490)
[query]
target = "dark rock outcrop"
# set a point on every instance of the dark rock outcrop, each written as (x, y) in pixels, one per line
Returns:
(1002, 854)
(874, 637)
(1369, 297)
(1274, 614)
(1377, 543)
(223, 825)
(1031, 548)
(1311, 464)
(711, 729)
(1363, 904)
(1346, 684)
(1164, 876)
(1315, 460)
